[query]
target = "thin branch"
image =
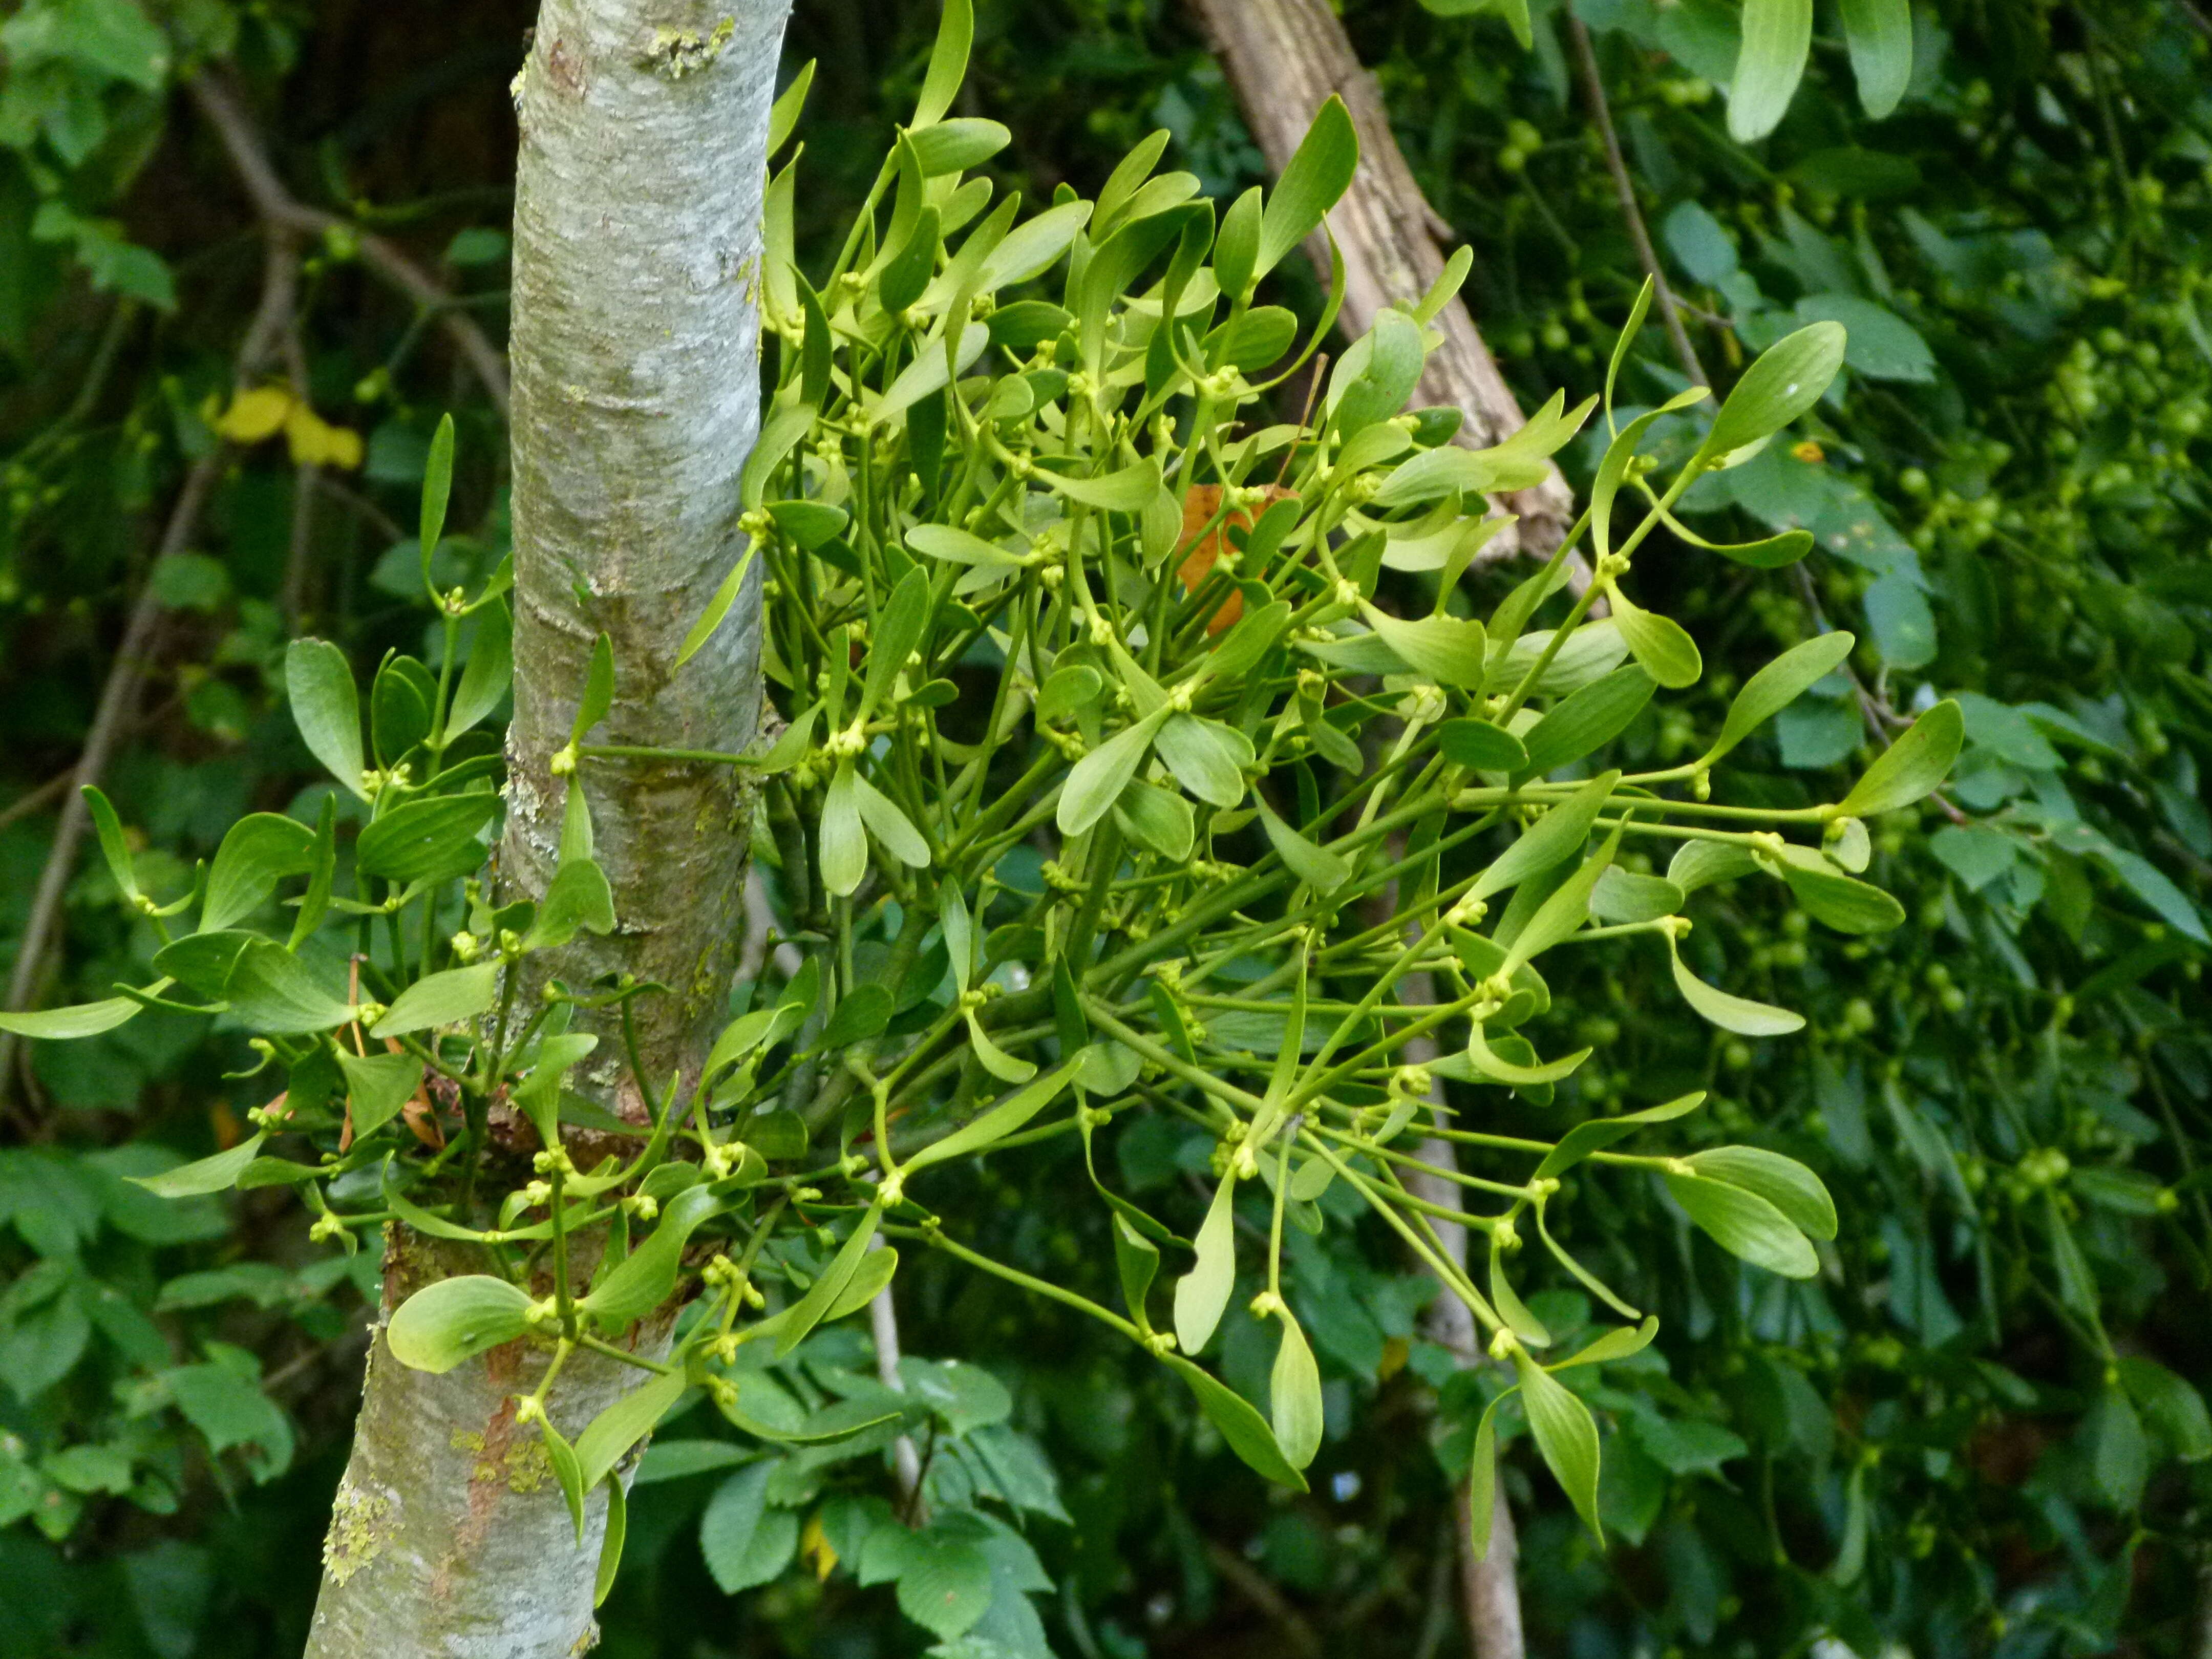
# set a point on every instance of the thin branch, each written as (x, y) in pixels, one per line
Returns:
(882, 1320)
(265, 337)
(360, 505)
(1625, 188)
(37, 800)
(107, 721)
(277, 206)
(1249, 1582)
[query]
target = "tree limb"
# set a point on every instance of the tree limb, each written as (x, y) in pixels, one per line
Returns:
(1490, 1594)
(1283, 59)
(279, 208)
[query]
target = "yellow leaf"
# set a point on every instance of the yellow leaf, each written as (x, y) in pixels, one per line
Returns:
(255, 415)
(315, 442)
(816, 1550)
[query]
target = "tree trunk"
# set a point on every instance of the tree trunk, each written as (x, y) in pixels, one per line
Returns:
(1283, 58)
(637, 255)
(1490, 1594)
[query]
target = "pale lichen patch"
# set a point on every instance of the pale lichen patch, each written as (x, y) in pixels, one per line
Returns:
(676, 53)
(354, 1538)
(527, 1467)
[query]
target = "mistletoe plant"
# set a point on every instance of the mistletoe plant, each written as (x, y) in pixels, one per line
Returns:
(1141, 754)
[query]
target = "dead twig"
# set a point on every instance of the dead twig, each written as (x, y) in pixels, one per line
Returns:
(1249, 1582)
(265, 335)
(277, 206)
(36, 799)
(1623, 188)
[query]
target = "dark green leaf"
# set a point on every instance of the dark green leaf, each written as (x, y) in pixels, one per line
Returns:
(607, 1440)
(1913, 766)
(325, 707)
(1480, 744)
(274, 993)
(1587, 719)
(377, 1086)
(1747, 1225)
(1247, 1431)
(645, 1278)
(444, 999)
(208, 1174)
(429, 839)
(1778, 684)
(1565, 1434)
(1787, 380)
(1782, 1182)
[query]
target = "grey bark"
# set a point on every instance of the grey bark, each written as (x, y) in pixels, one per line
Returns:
(1490, 1593)
(449, 1536)
(1283, 58)
(634, 354)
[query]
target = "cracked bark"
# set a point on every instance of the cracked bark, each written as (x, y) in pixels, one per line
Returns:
(635, 401)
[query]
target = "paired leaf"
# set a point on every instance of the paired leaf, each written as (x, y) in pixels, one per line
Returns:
(1784, 1183)
(1247, 1431)
(813, 1308)
(1587, 719)
(995, 1125)
(1880, 35)
(326, 707)
(1319, 868)
(1788, 379)
(1728, 1011)
(1600, 1133)
(455, 1319)
(427, 840)
(273, 991)
(377, 1086)
(1097, 780)
(445, 998)
(1778, 684)
(644, 1279)
(207, 1174)
(1481, 746)
(1316, 177)
(1745, 1225)
(1777, 35)
(1565, 1434)
(1294, 1393)
(1913, 766)
(1551, 840)
(1201, 1295)
(607, 1438)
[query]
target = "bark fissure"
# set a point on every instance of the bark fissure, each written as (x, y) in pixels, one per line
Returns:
(634, 357)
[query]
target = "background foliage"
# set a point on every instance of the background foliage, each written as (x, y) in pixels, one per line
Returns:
(1961, 1442)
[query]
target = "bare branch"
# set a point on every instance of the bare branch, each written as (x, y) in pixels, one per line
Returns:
(278, 207)
(1625, 189)
(1490, 1593)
